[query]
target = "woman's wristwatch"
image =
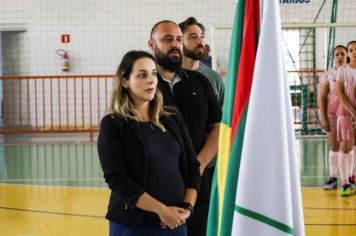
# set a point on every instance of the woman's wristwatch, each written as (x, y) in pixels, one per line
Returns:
(188, 206)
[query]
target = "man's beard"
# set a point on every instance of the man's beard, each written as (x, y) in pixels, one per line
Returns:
(192, 54)
(172, 64)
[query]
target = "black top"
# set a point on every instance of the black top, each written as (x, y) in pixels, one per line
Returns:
(165, 181)
(195, 99)
(123, 156)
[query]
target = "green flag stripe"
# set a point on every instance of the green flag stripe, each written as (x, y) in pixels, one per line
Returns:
(230, 89)
(264, 219)
(212, 228)
(233, 63)
(232, 178)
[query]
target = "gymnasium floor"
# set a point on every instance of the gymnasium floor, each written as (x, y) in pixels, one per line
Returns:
(57, 189)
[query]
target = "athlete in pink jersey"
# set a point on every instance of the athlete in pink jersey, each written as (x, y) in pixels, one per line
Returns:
(329, 103)
(345, 88)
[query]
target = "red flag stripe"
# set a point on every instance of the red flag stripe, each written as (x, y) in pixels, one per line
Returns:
(247, 62)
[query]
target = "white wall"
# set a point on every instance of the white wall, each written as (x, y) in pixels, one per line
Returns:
(101, 31)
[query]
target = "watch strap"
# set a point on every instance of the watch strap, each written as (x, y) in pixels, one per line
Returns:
(188, 206)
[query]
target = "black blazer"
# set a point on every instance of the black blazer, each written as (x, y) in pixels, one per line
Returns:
(123, 158)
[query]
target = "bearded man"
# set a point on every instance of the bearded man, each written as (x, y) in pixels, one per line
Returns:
(193, 95)
(194, 51)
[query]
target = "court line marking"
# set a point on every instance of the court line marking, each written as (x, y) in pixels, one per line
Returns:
(102, 217)
(45, 143)
(316, 187)
(53, 186)
(330, 208)
(319, 166)
(54, 180)
(331, 224)
(314, 177)
(49, 212)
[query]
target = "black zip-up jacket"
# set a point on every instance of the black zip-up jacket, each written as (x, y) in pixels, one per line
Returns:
(123, 158)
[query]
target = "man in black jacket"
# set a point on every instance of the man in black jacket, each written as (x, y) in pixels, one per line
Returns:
(193, 95)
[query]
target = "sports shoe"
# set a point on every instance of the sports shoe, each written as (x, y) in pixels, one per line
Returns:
(331, 184)
(345, 191)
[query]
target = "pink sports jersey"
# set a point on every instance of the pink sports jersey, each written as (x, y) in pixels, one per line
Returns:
(328, 78)
(347, 75)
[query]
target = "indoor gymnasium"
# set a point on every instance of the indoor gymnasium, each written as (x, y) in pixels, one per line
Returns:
(59, 64)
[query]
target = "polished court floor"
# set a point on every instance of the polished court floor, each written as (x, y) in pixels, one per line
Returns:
(57, 189)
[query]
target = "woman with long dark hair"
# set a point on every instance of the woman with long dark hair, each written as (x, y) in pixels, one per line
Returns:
(146, 155)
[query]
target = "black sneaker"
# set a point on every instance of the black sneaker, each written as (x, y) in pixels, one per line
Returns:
(331, 184)
(345, 191)
(352, 185)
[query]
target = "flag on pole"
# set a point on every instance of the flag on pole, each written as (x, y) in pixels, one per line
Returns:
(237, 91)
(256, 188)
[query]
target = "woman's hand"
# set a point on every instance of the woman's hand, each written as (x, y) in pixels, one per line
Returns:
(353, 114)
(172, 216)
(185, 214)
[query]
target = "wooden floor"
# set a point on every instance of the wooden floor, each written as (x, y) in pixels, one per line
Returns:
(58, 190)
(42, 210)
(326, 213)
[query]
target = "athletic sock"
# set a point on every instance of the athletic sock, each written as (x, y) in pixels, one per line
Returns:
(344, 167)
(333, 163)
